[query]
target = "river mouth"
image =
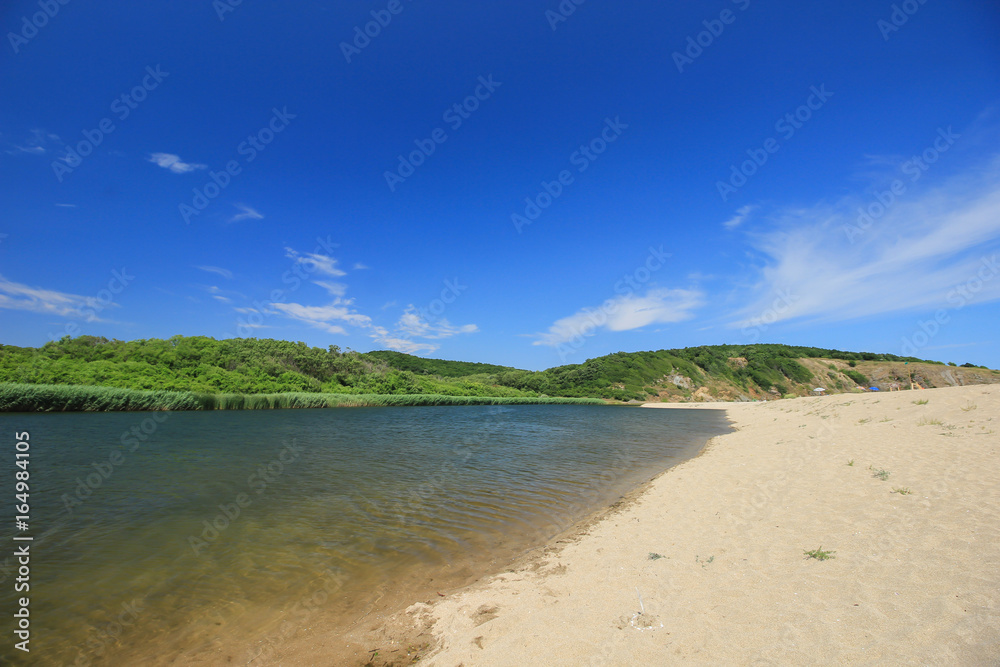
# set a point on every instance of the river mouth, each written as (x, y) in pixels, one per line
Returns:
(219, 538)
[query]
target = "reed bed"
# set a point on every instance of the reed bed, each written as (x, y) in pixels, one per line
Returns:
(77, 398)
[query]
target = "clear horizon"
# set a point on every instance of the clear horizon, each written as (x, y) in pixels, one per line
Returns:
(524, 184)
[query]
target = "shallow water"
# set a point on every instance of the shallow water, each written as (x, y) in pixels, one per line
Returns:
(210, 538)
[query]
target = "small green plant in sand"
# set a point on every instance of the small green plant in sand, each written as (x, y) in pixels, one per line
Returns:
(850, 462)
(922, 401)
(819, 554)
(704, 562)
(884, 420)
(881, 473)
(901, 490)
(654, 556)
(930, 422)
(864, 420)
(969, 407)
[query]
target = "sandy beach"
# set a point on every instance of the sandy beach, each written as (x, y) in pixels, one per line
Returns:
(706, 564)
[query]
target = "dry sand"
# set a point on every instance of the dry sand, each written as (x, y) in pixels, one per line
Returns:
(915, 578)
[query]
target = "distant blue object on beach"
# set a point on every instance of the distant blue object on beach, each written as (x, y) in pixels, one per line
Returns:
(872, 388)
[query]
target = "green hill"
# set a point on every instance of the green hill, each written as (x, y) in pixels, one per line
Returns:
(440, 367)
(265, 366)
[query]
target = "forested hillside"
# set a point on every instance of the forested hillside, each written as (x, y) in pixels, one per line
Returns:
(266, 366)
(441, 367)
(239, 365)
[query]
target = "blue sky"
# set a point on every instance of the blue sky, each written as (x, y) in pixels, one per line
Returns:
(522, 183)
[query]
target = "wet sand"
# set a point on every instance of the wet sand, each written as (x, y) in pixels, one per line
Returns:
(706, 564)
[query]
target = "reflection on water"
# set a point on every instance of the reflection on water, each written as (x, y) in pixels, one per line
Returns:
(205, 538)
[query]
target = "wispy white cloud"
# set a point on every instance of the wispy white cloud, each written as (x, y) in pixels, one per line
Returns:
(246, 213)
(315, 263)
(400, 344)
(833, 263)
(18, 296)
(358, 266)
(325, 317)
(335, 289)
(174, 163)
(67, 205)
(412, 323)
(409, 334)
(223, 295)
(741, 216)
(624, 313)
(225, 273)
(38, 142)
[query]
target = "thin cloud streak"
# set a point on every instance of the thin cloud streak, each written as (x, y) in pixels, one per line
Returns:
(225, 273)
(838, 265)
(246, 213)
(741, 216)
(174, 163)
(315, 262)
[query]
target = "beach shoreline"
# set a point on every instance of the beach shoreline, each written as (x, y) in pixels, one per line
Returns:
(706, 563)
(353, 641)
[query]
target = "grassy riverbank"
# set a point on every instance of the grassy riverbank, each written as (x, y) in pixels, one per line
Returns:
(74, 398)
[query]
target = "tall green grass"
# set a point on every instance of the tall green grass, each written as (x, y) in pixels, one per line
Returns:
(76, 398)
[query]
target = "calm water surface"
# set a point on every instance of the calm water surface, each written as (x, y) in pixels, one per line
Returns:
(212, 538)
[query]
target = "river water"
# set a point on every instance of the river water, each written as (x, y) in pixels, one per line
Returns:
(214, 537)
